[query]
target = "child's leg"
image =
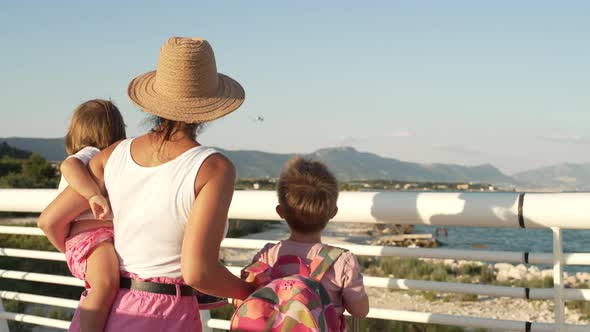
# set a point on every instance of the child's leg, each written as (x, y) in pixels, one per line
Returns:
(102, 274)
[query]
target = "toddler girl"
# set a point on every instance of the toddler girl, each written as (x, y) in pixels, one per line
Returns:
(89, 249)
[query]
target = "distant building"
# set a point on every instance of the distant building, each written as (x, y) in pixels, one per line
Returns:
(463, 186)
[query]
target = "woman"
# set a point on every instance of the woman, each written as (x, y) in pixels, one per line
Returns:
(169, 195)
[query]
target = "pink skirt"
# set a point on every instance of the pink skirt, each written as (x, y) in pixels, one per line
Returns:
(146, 312)
(80, 246)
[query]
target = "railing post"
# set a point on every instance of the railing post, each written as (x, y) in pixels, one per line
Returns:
(205, 316)
(356, 324)
(3, 322)
(559, 308)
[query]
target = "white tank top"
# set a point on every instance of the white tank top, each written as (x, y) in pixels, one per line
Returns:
(150, 209)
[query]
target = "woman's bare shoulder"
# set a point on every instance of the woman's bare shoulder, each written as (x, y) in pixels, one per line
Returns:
(217, 164)
(216, 168)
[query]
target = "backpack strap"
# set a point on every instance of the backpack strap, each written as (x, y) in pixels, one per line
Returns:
(257, 272)
(324, 260)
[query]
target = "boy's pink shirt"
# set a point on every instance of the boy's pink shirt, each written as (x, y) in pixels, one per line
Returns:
(343, 281)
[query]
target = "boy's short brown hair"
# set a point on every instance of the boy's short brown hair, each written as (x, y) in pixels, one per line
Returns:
(308, 193)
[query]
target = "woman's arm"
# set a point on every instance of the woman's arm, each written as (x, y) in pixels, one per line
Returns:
(204, 232)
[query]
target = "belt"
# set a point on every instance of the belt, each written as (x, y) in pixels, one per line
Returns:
(155, 287)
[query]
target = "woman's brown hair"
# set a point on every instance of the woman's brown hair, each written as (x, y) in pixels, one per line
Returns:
(96, 123)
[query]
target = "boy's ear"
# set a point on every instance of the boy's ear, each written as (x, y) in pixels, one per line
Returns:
(280, 212)
(334, 213)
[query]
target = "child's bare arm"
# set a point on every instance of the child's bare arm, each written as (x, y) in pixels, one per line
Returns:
(57, 216)
(359, 307)
(355, 299)
(78, 177)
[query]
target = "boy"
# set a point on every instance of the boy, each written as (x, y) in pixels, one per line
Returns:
(308, 193)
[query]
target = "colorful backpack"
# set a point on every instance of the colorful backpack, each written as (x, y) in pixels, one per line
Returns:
(295, 303)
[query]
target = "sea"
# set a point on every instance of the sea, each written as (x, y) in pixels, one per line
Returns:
(511, 239)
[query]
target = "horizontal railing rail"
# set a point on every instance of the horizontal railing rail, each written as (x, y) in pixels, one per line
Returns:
(470, 209)
(554, 211)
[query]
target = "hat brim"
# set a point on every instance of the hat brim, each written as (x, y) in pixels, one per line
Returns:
(228, 97)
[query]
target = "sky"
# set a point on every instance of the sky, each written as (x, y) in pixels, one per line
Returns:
(463, 82)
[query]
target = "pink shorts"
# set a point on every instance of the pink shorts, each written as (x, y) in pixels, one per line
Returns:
(138, 311)
(81, 245)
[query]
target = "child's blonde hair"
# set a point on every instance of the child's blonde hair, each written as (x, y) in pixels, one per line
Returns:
(96, 123)
(308, 193)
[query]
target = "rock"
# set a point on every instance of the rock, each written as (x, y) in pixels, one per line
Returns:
(547, 273)
(583, 277)
(535, 270)
(571, 280)
(449, 262)
(502, 266)
(502, 275)
(518, 272)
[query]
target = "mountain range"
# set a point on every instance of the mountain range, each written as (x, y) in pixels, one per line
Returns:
(350, 164)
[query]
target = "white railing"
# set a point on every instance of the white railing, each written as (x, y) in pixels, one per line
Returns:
(531, 210)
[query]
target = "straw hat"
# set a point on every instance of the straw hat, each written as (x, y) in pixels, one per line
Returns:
(186, 85)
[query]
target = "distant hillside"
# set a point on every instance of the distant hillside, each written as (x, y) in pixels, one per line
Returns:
(562, 176)
(350, 164)
(257, 164)
(9, 151)
(347, 163)
(50, 148)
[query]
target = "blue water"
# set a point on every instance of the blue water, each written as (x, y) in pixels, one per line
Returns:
(510, 239)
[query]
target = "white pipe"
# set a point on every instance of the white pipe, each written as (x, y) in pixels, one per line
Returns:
(558, 285)
(205, 318)
(24, 318)
(219, 324)
(360, 250)
(377, 313)
(3, 322)
(573, 294)
(25, 200)
(378, 282)
(443, 287)
(41, 277)
(438, 253)
(35, 254)
(464, 288)
(444, 319)
(20, 230)
(566, 210)
(458, 209)
(32, 298)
